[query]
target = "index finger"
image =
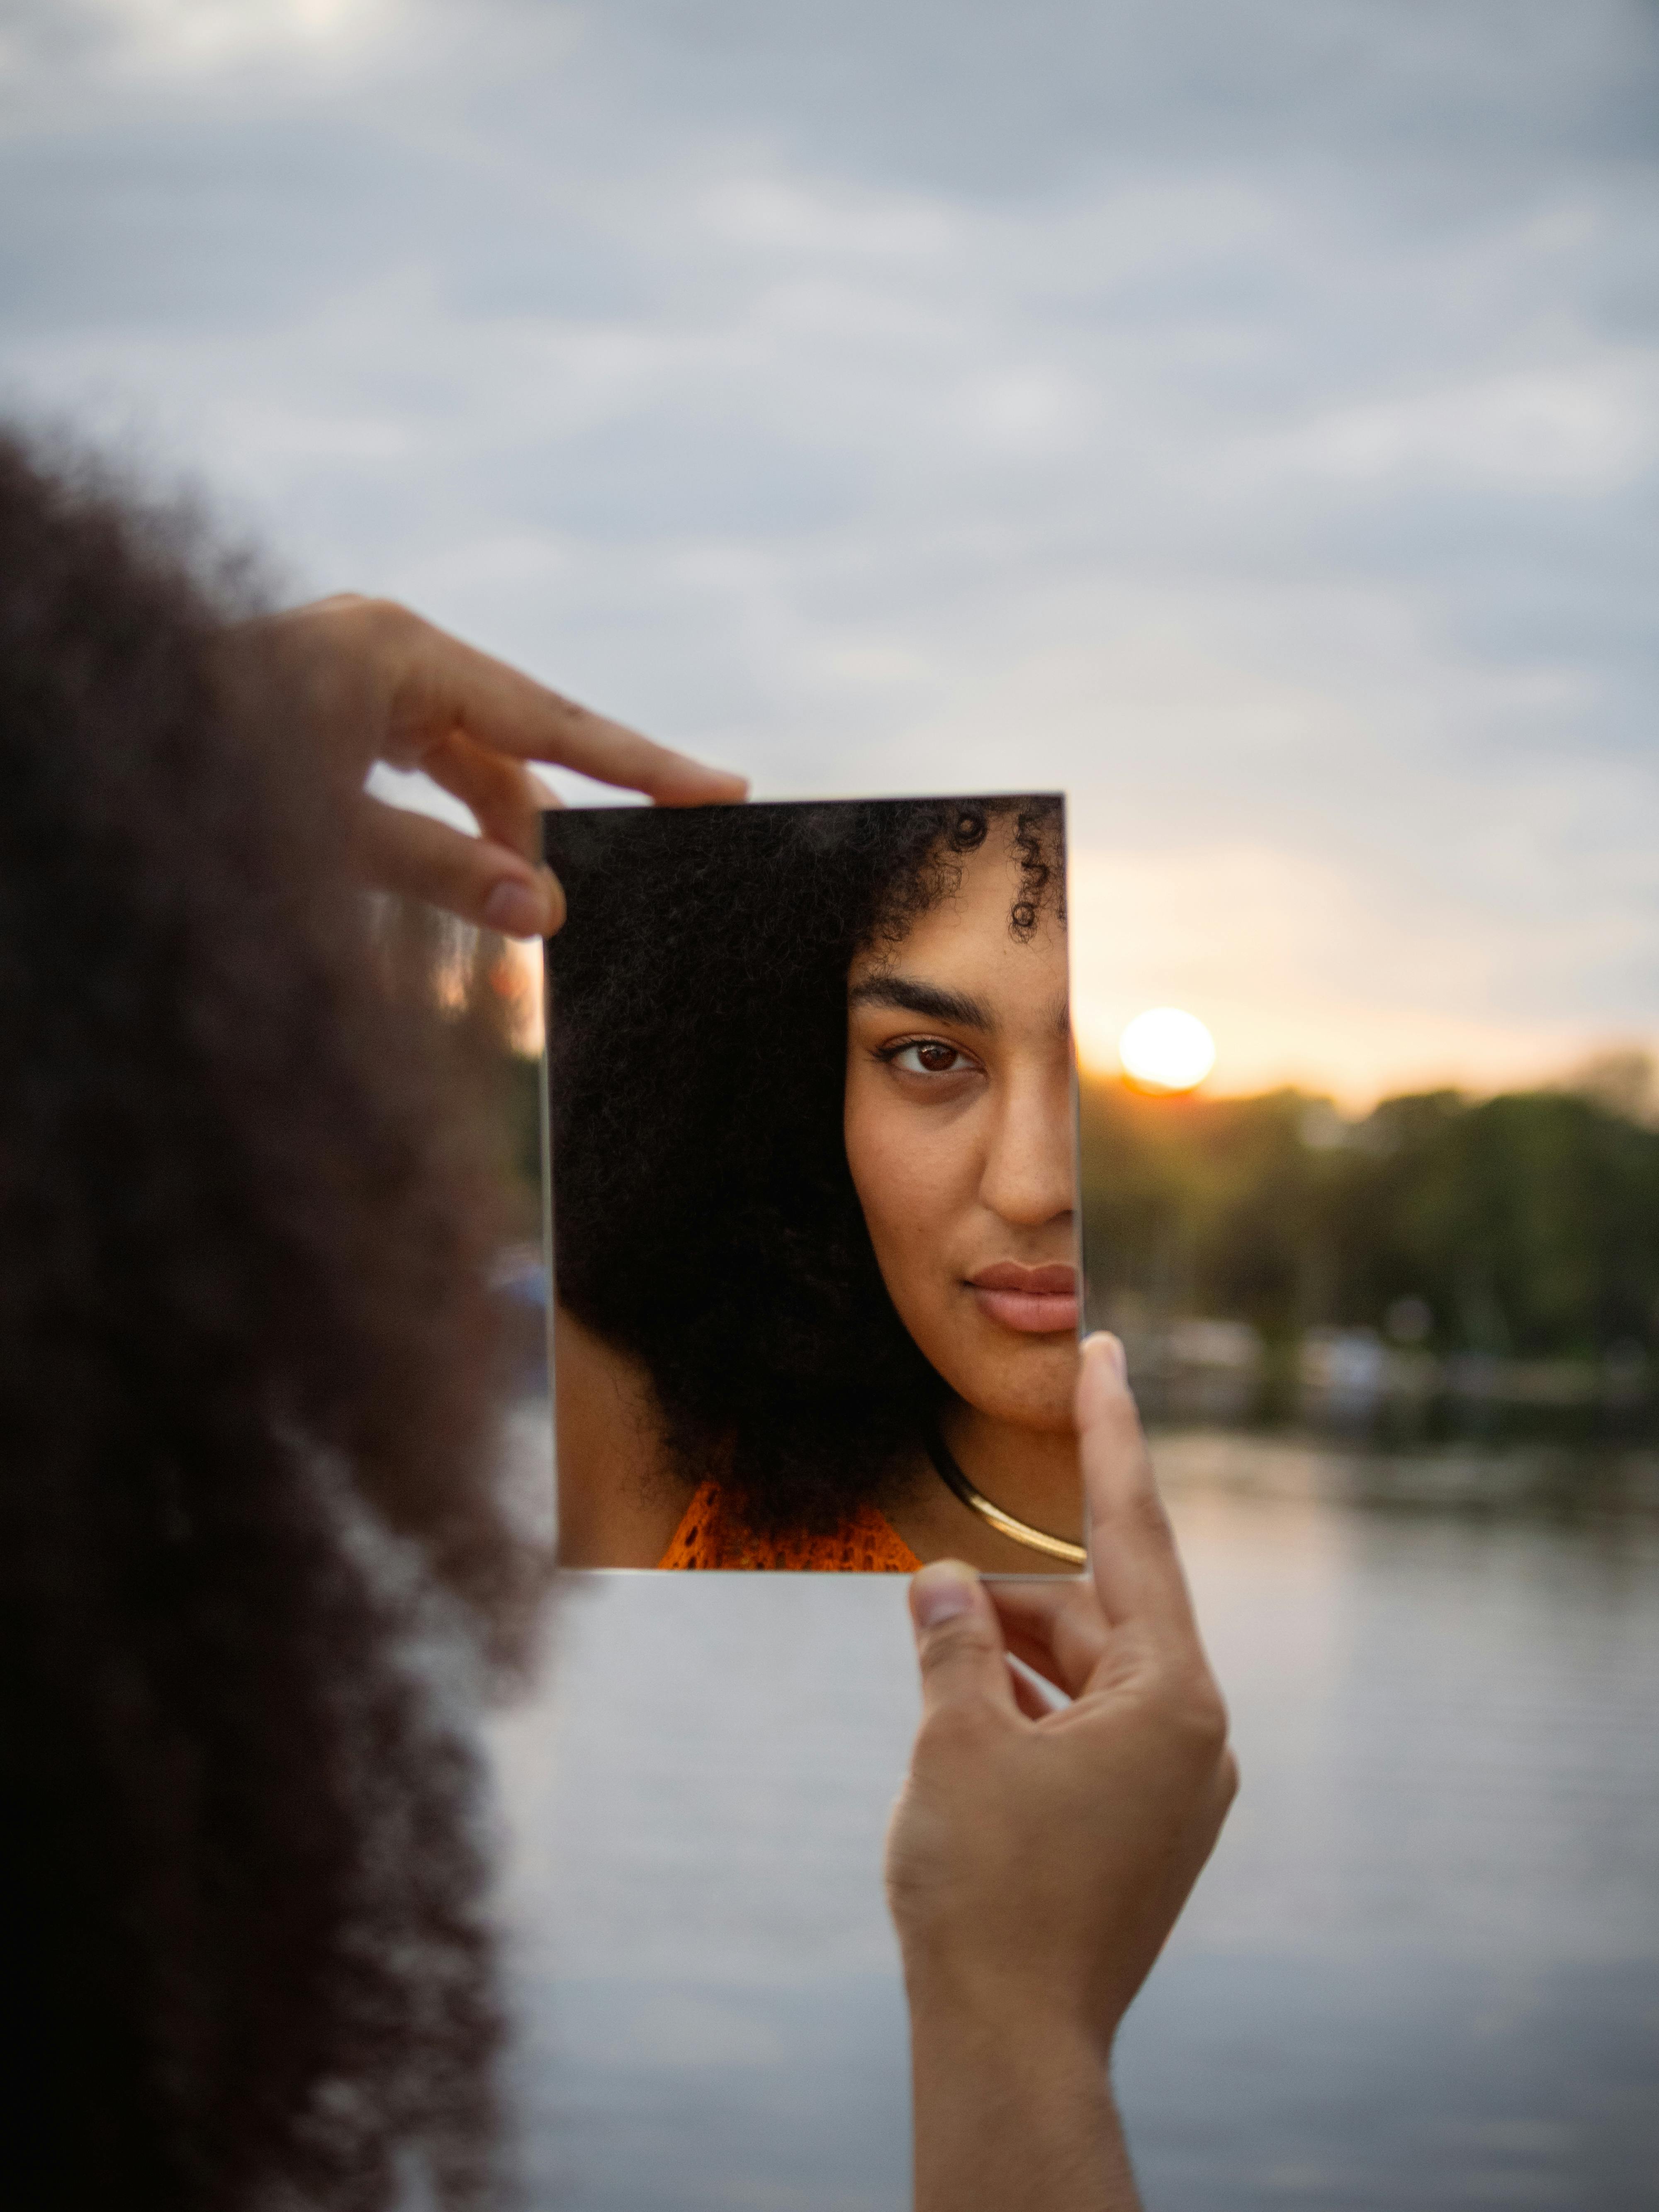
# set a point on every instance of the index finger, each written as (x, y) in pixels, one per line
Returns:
(1131, 1547)
(440, 684)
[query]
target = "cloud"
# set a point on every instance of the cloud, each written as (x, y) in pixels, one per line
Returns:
(1240, 413)
(1589, 430)
(1280, 954)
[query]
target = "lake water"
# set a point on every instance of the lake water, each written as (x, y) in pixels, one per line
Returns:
(1422, 1971)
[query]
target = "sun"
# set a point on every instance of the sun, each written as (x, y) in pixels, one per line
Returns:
(1166, 1050)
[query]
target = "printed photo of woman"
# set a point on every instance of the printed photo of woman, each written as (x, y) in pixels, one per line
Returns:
(812, 1120)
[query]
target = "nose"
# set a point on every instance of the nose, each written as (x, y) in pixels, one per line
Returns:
(1029, 1177)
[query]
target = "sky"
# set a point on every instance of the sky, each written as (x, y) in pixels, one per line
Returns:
(1243, 415)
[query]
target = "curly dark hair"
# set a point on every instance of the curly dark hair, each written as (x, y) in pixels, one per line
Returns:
(247, 1531)
(705, 1215)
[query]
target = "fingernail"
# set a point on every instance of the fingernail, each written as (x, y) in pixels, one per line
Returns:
(515, 910)
(553, 912)
(942, 1592)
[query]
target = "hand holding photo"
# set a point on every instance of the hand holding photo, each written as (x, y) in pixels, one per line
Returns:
(812, 1110)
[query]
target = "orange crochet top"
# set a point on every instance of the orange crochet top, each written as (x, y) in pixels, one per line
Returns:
(709, 1536)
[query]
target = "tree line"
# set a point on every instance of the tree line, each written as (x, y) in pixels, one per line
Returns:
(1524, 1225)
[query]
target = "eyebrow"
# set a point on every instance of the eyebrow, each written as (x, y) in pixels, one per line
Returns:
(911, 995)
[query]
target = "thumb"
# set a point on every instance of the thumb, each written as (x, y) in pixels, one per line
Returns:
(959, 1643)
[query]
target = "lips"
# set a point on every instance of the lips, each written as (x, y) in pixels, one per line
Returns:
(1035, 1301)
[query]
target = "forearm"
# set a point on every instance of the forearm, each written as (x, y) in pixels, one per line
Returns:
(1012, 2115)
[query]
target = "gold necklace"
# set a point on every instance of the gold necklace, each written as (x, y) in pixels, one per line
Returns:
(1036, 1540)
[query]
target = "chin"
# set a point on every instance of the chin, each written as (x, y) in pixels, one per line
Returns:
(1031, 1390)
(1051, 1416)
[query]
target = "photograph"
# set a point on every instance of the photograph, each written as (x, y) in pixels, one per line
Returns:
(812, 1105)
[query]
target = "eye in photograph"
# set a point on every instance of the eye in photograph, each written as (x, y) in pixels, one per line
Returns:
(929, 1056)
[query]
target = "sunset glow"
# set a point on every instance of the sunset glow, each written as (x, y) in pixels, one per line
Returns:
(1165, 1049)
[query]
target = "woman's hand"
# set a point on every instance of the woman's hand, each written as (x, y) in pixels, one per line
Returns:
(391, 687)
(1037, 1859)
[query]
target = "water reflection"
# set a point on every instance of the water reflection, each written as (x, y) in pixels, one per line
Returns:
(1421, 1972)
(1593, 1422)
(1560, 1481)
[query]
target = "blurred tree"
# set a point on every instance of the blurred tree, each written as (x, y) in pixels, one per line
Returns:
(473, 977)
(1624, 1079)
(1525, 1223)
(1530, 1223)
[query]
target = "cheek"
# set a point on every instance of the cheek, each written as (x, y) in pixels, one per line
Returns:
(912, 1170)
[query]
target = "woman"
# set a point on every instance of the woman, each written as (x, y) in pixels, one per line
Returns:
(814, 1179)
(253, 1565)
(248, 1527)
